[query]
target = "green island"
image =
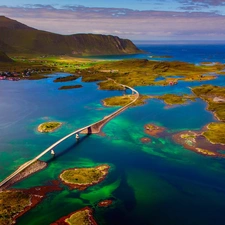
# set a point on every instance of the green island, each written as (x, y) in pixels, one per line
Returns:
(215, 97)
(215, 133)
(209, 142)
(70, 87)
(82, 178)
(83, 216)
(11, 204)
(49, 126)
(124, 100)
(15, 203)
(172, 99)
(65, 79)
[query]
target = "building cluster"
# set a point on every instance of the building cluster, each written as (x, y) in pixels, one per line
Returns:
(15, 76)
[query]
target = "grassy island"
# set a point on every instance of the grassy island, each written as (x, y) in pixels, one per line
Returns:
(215, 133)
(154, 130)
(172, 99)
(66, 79)
(83, 216)
(70, 87)
(48, 127)
(215, 97)
(14, 203)
(208, 142)
(124, 100)
(82, 178)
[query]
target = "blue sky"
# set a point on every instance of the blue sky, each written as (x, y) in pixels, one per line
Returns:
(133, 19)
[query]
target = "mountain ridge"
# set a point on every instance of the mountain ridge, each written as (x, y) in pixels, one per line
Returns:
(19, 38)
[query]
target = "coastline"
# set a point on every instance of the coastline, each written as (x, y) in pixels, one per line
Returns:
(82, 186)
(41, 130)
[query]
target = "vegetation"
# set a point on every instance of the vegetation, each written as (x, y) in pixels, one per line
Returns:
(70, 87)
(49, 127)
(124, 100)
(12, 203)
(110, 85)
(215, 133)
(208, 93)
(4, 58)
(142, 72)
(83, 217)
(65, 79)
(172, 99)
(19, 38)
(82, 178)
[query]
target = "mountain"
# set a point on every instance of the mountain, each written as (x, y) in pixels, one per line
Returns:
(4, 58)
(16, 37)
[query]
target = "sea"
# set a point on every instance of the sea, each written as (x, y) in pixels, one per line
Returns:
(155, 183)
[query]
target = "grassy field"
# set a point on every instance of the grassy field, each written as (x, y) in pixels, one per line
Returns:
(84, 175)
(124, 100)
(172, 99)
(48, 127)
(215, 133)
(11, 203)
(208, 93)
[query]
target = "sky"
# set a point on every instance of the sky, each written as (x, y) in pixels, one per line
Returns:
(150, 20)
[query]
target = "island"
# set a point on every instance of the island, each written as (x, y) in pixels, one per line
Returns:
(215, 133)
(209, 141)
(105, 203)
(82, 178)
(154, 130)
(145, 140)
(172, 99)
(83, 216)
(70, 87)
(49, 126)
(215, 97)
(66, 78)
(15, 203)
(124, 100)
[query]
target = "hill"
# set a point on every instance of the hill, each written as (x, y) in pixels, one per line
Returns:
(18, 38)
(4, 58)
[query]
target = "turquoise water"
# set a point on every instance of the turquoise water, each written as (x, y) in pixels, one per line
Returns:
(151, 184)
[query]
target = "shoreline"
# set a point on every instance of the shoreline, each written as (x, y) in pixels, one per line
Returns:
(88, 217)
(34, 168)
(40, 129)
(83, 186)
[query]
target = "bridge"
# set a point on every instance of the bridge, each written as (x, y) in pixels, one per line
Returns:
(90, 129)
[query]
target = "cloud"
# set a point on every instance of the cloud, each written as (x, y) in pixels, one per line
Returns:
(126, 23)
(200, 4)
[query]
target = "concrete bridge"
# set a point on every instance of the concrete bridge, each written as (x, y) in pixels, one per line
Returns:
(90, 129)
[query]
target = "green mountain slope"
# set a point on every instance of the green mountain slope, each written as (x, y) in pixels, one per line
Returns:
(19, 38)
(4, 58)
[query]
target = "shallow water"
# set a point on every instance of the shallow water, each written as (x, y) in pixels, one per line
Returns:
(152, 184)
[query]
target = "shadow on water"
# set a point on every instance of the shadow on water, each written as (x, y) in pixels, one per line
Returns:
(71, 147)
